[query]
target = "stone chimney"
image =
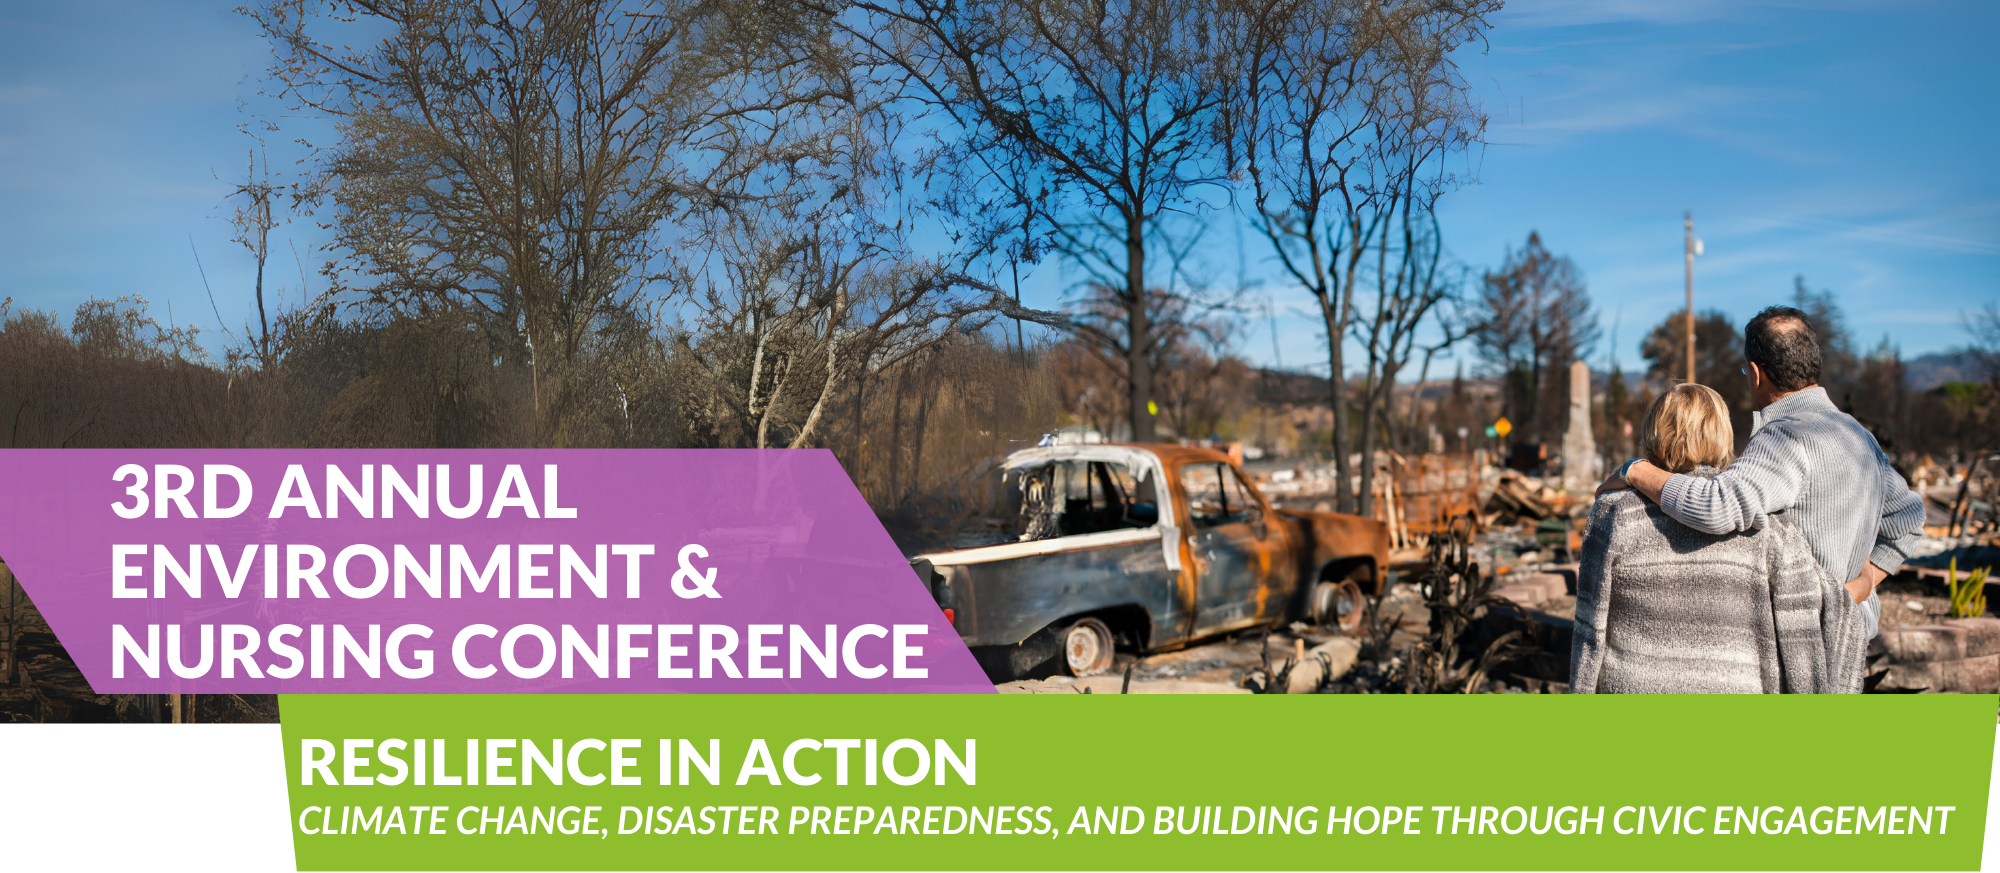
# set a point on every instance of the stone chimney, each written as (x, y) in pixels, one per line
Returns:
(1579, 451)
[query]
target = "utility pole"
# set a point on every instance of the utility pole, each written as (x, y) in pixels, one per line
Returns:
(1692, 246)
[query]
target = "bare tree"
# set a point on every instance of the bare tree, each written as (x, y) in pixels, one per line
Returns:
(780, 345)
(1194, 374)
(1408, 289)
(116, 378)
(1452, 326)
(522, 157)
(254, 219)
(808, 280)
(1840, 365)
(1338, 101)
(1534, 318)
(1205, 391)
(1103, 111)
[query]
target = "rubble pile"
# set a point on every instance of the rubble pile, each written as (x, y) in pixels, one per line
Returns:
(48, 687)
(1516, 496)
(1539, 588)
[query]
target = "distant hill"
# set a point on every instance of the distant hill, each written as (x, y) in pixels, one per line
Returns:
(1291, 387)
(1288, 386)
(1937, 368)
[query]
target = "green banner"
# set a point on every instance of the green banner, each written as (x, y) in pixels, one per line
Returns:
(1138, 782)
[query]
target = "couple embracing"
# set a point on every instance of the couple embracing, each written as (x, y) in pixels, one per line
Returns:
(1706, 574)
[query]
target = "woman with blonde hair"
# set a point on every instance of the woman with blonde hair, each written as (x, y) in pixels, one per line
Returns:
(1663, 608)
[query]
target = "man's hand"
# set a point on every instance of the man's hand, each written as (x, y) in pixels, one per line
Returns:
(1642, 476)
(1863, 585)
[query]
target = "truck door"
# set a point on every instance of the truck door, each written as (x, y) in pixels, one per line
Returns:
(1228, 536)
(1097, 522)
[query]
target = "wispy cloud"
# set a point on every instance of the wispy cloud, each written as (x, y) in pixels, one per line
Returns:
(1697, 111)
(1895, 232)
(1915, 316)
(1638, 82)
(1574, 13)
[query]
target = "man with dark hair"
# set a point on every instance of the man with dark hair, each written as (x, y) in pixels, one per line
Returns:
(1785, 346)
(1805, 457)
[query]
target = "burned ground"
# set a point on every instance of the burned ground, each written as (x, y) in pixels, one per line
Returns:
(40, 682)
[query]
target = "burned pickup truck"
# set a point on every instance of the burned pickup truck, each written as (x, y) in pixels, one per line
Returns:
(1149, 547)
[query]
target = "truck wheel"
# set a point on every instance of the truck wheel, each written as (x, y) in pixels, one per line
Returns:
(1087, 648)
(1338, 603)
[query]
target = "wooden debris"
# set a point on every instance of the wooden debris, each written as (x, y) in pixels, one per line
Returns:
(1513, 495)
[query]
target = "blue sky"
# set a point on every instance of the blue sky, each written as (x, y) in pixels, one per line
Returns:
(1852, 143)
(1848, 142)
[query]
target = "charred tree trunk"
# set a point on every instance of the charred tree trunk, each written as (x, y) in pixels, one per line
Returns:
(858, 448)
(924, 398)
(1365, 501)
(896, 438)
(1139, 328)
(1343, 496)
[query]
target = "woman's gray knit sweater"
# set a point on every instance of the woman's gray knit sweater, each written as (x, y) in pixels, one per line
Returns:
(1662, 608)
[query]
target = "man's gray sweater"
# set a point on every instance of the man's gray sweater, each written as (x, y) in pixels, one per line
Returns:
(1817, 464)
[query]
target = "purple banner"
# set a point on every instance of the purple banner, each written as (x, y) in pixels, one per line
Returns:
(481, 571)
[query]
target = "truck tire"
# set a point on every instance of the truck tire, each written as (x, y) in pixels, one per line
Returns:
(1087, 648)
(1338, 603)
